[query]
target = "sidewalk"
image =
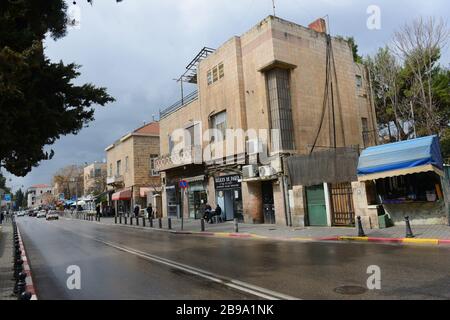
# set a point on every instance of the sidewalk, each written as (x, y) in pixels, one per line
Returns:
(430, 234)
(6, 262)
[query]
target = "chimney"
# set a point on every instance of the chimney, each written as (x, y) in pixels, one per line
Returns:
(319, 25)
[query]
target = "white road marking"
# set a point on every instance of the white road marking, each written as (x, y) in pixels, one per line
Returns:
(229, 282)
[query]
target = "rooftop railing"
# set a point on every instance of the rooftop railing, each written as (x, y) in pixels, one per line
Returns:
(179, 104)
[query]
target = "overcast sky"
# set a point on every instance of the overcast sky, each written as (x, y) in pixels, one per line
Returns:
(135, 48)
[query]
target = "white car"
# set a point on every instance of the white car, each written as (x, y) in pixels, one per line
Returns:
(52, 215)
(21, 214)
(41, 214)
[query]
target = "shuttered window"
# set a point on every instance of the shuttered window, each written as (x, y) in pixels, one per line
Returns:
(280, 109)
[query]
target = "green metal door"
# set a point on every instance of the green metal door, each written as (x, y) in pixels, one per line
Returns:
(317, 210)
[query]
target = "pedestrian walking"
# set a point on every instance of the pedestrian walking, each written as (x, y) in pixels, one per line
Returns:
(150, 211)
(97, 209)
(136, 211)
(1, 217)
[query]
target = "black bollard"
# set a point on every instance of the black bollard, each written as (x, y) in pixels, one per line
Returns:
(25, 296)
(236, 225)
(160, 223)
(409, 233)
(151, 222)
(137, 220)
(120, 219)
(202, 224)
(360, 228)
(143, 222)
(169, 223)
(21, 285)
(115, 219)
(125, 219)
(131, 221)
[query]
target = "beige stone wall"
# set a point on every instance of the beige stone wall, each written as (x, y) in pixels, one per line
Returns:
(180, 119)
(119, 152)
(90, 181)
(138, 149)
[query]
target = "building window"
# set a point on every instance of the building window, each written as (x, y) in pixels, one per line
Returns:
(118, 169)
(209, 77)
(219, 124)
(359, 81)
(221, 72)
(215, 73)
(281, 122)
(126, 164)
(153, 171)
(365, 131)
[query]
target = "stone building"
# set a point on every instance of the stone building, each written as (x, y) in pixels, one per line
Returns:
(276, 91)
(131, 175)
(36, 195)
(94, 176)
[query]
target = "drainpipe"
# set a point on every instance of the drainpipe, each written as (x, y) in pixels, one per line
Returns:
(287, 206)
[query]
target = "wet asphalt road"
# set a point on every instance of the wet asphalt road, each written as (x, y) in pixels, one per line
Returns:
(119, 262)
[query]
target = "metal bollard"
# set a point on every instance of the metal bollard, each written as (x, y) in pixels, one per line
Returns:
(151, 222)
(115, 219)
(160, 223)
(409, 233)
(131, 221)
(120, 219)
(125, 219)
(236, 225)
(202, 224)
(360, 228)
(21, 284)
(143, 222)
(137, 220)
(169, 223)
(25, 296)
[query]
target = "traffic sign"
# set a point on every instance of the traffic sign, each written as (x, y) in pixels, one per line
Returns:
(8, 198)
(183, 184)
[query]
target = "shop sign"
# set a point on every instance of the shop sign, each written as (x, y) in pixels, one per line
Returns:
(228, 182)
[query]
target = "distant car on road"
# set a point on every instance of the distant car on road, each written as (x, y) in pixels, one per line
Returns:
(52, 215)
(41, 214)
(21, 213)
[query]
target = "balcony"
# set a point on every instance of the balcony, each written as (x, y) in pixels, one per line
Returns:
(115, 181)
(192, 155)
(178, 105)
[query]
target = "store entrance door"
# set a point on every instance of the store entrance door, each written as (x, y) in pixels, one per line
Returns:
(317, 210)
(268, 202)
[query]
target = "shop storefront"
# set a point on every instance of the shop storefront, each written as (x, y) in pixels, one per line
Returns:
(197, 197)
(122, 202)
(229, 196)
(173, 201)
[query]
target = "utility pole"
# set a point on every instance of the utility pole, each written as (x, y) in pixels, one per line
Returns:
(273, 5)
(181, 80)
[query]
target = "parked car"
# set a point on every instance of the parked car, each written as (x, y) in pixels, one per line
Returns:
(52, 215)
(41, 214)
(21, 213)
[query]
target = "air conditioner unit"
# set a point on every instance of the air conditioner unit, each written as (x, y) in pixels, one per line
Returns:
(266, 171)
(250, 171)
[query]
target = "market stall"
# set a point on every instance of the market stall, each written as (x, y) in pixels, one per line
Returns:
(406, 179)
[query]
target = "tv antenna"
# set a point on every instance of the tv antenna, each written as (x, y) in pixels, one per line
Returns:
(273, 6)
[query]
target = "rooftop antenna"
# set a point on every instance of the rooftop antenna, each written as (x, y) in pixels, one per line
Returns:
(273, 5)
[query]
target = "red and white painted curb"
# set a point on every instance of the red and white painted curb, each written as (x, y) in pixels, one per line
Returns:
(26, 268)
